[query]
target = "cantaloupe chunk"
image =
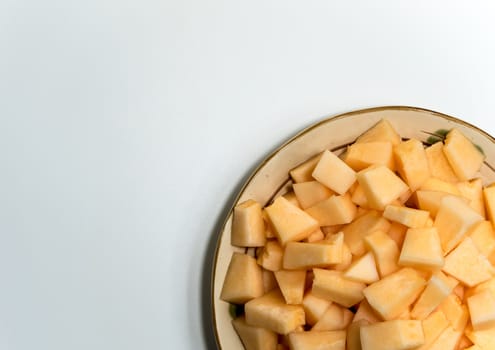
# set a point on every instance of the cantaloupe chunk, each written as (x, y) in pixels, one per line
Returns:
(382, 131)
(335, 318)
(290, 222)
(447, 340)
(438, 163)
(462, 155)
(270, 311)
(438, 288)
(362, 155)
(489, 198)
(411, 163)
(392, 335)
(301, 255)
(430, 200)
(483, 237)
(433, 326)
(409, 217)
(311, 192)
(358, 196)
(316, 236)
(269, 281)
(353, 340)
(360, 228)
(482, 310)
(314, 307)
(302, 172)
(291, 284)
(333, 286)
(367, 313)
(421, 248)
(472, 190)
(385, 252)
(243, 281)
(335, 210)
(327, 340)
(398, 233)
(346, 259)
(255, 338)
(485, 339)
(435, 184)
(269, 230)
(464, 343)
(363, 270)
(381, 186)
(454, 219)
(393, 294)
(248, 227)
(271, 256)
(455, 312)
(332, 172)
(467, 264)
(291, 197)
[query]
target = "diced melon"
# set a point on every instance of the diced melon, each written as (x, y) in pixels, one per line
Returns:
(435, 184)
(332, 172)
(382, 131)
(482, 310)
(358, 197)
(467, 265)
(447, 340)
(489, 197)
(454, 218)
(483, 237)
(291, 197)
(484, 338)
(243, 281)
(367, 313)
(269, 281)
(381, 186)
(455, 311)
(316, 236)
(392, 335)
(464, 343)
(353, 340)
(333, 286)
(334, 210)
(331, 320)
(346, 259)
(255, 338)
(360, 228)
(411, 163)
(291, 284)
(409, 217)
(385, 252)
(398, 233)
(433, 326)
(314, 307)
(362, 155)
(430, 200)
(394, 293)
(270, 311)
(311, 192)
(363, 270)
(271, 256)
(327, 340)
(290, 222)
(438, 163)
(463, 156)
(473, 191)
(248, 227)
(269, 230)
(302, 173)
(422, 248)
(301, 255)
(438, 288)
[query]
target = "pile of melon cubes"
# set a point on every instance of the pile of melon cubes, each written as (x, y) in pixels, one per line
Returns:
(389, 246)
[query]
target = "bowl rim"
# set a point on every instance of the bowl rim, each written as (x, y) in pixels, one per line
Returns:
(285, 143)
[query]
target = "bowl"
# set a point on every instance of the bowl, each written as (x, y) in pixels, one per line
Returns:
(271, 177)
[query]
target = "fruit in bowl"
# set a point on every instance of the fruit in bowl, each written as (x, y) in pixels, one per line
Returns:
(371, 230)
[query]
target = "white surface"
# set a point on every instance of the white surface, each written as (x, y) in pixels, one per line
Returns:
(127, 126)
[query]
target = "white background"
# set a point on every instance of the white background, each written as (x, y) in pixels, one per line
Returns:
(126, 127)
